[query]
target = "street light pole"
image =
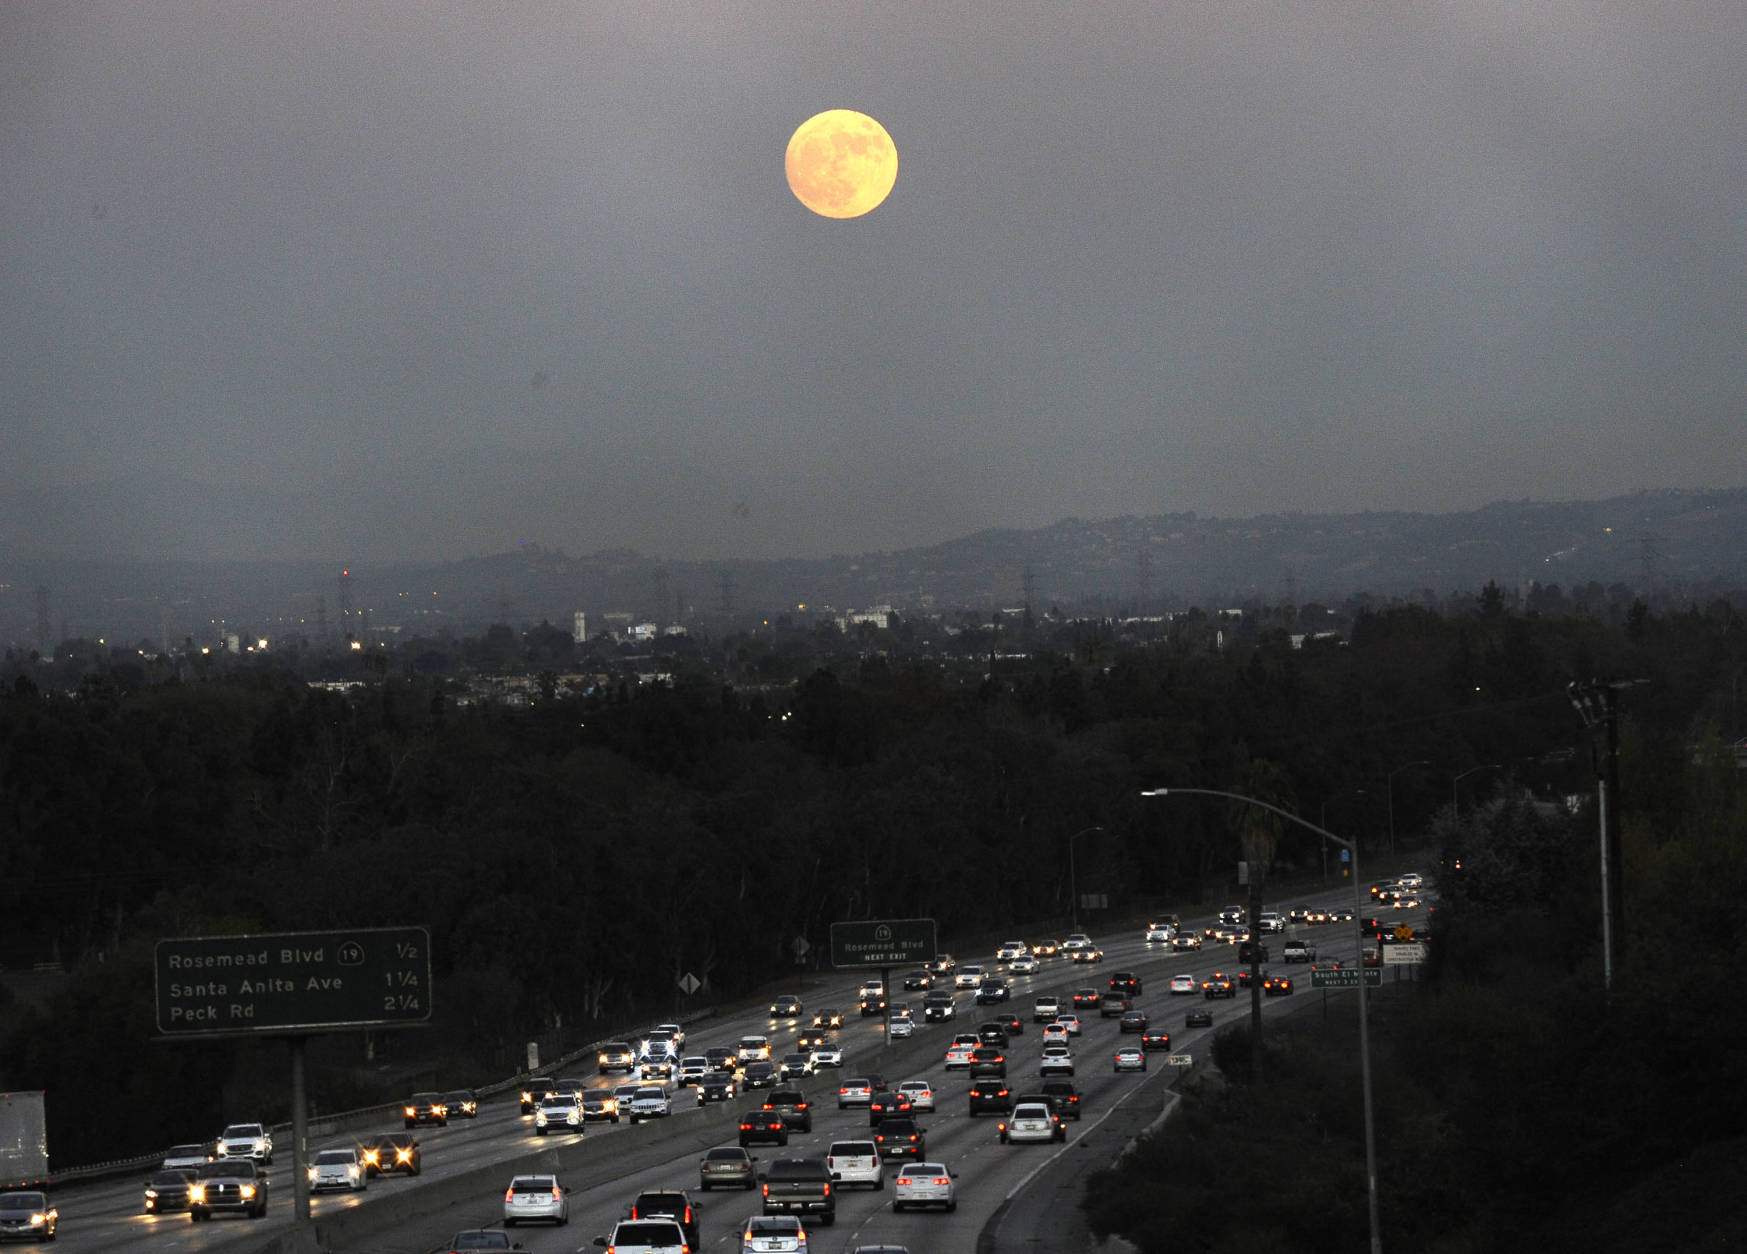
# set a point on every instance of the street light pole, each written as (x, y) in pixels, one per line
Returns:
(1073, 876)
(1390, 787)
(1364, 1021)
(1355, 792)
(1455, 795)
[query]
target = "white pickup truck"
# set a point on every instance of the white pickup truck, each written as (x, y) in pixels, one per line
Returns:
(1298, 951)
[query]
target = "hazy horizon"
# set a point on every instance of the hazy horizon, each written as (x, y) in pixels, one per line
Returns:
(408, 284)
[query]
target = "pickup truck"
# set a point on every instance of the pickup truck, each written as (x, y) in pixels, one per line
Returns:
(1045, 1009)
(1298, 951)
(799, 1186)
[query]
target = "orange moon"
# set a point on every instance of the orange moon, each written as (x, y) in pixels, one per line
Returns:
(841, 164)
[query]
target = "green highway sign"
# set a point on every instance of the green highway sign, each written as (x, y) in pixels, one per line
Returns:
(882, 943)
(294, 982)
(1346, 977)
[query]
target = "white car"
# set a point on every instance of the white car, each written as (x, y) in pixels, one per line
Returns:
(754, 1049)
(673, 1032)
(1130, 1058)
(968, 976)
(1056, 1060)
(646, 1236)
(827, 1056)
(924, 1184)
(1032, 1122)
(1055, 1033)
(920, 1093)
(773, 1234)
(185, 1156)
(649, 1103)
(1183, 984)
(246, 1140)
(958, 1056)
(338, 1169)
(1071, 1022)
(856, 1162)
(1079, 940)
(1158, 932)
(1024, 964)
(535, 1198)
(559, 1112)
(900, 1026)
(694, 1070)
(1272, 922)
(1010, 950)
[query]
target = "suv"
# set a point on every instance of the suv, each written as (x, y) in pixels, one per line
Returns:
(671, 1204)
(230, 1184)
(247, 1140)
(988, 1060)
(938, 1006)
(426, 1108)
(1063, 1097)
(536, 1088)
(1114, 1003)
(791, 1104)
(800, 1186)
(899, 1136)
(646, 1236)
(392, 1152)
(617, 1056)
(559, 1112)
(1125, 982)
(1045, 1009)
(990, 1095)
(856, 1162)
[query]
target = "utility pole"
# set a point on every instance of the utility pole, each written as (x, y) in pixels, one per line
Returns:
(1597, 704)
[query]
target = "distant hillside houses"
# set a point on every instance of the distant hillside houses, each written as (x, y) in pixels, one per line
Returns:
(873, 616)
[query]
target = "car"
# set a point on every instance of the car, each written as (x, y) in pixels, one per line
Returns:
(1157, 931)
(1048, 947)
(1250, 953)
(694, 1070)
(559, 1112)
(938, 1006)
(888, 1102)
(1087, 999)
(968, 976)
(800, 1186)
(872, 1004)
(536, 1087)
(900, 1026)
(167, 1189)
(988, 1060)
(856, 1162)
(828, 1020)
(1232, 916)
(1076, 940)
(1130, 1058)
(1219, 984)
(1155, 1038)
(918, 981)
(426, 1108)
(900, 1136)
(392, 1154)
(188, 1155)
(1031, 1123)
(871, 988)
(1298, 951)
(1198, 1018)
(622, 1095)
(1245, 979)
(1009, 1023)
(1009, 950)
(674, 1204)
(992, 1033)
(1270, 921)
(826, 1056)
(992, 991)
(942, 964)
(758, 1075)
(462, 1103)
(958, 1055)
(658, 1067)
(773, 1234)
(646, 1236)
(1056, 1060)
(672, 1031)
(480, 1241)
(1086, 954)
(857, 1090)
(795, 1066)
(1132, 1021)
(1125, 982)
(657, 1048)
(615, 1056)
(727, 1166)
(715, 1088)
(1277, 985)
(1024, 964)
(649, 1102)
(1114, 1004)
(535, 1198)
(600, 1106)
(1061, 1097)
(722, 1059)
(924, 1184)
(763, 1126)
(1071, 1022)
(785, 1006)
(990, 1094)
(1185, 942)
(793, 1107)
(1055, 1033)
(1411, 879)
(754, 1049)
(236, 1185)
(920, 1093)
(1044, 1009)
(1183, 984)
(246, 1140)
(338, 1169)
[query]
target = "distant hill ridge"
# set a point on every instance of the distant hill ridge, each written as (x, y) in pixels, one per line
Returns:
(1680, 543)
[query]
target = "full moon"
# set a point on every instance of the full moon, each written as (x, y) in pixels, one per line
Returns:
(841, 164)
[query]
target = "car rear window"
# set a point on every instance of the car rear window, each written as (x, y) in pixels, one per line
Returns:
(534, 1184)
(654, 1232)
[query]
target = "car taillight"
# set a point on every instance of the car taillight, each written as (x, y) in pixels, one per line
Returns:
(765, 1190)
(827, 1189)
(941, 1180)
(509, 1195)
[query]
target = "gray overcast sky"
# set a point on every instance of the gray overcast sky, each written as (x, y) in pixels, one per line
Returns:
(427, 280)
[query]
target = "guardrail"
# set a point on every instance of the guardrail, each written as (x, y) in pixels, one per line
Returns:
(346, 1120)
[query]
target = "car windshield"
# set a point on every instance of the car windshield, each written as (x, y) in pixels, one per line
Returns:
(484, 1239)
(667, 1232)
(326, 1157)
(228, 1167)
(242, 1131)
(23, 1201)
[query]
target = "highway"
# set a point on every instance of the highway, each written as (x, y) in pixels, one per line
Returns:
(467, 1165)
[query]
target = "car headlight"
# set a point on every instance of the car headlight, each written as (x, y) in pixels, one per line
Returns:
(312, 1175)
(248, 1190)
(197, 1193)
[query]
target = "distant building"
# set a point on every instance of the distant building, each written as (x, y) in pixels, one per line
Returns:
(873, 616)
(579, 627)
